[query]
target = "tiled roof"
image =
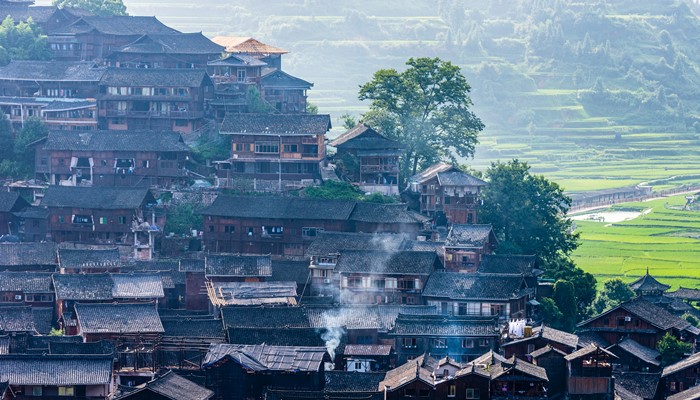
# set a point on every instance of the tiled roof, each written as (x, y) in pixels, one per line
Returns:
(277, 337)
(102, 347)
(53, 71)
(193, 328)
(237, 60)
(431, 172)
(43, 318)
(119, 25)
(11, 201)
(458, 178)
(269, 207)
(459, 286)
(56, 370)
(363, 317)
(582, 352)
(509, 264)
(17, 319)
(587, 338)
(252, 293)
(267, 358)
(623, 394)
(648, 283)
(118, 318)
(21, 254)
(191, 265)
(132, 141)
(469, 235)
(265, 317)
(290, 271)
(233, 265)
(243, 44)
(386, 213)
(544, 350)
(508, 367)
(95, 257)
(367, 350)
(81, 287)
(66, 105)
(551, 335)
(689, 394)
(44, 342)
(276, 124)
(277, 79)
(175, 43)
(691, 361)
(333, 242)
(406, 373)
(101, 198)
(33, 213)
(174, 387)
(27, 282)
(642, 384)
(387, 262)
(685, 294)
(646, 354)
(440, 325)
(355, 382)
(154, 77)
(649, 312)
(137, 286)
(363, 137)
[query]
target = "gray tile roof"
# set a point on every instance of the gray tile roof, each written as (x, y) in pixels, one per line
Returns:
(386, 214)
(277, 78)
(363, 317)
(646, 354)
(387, 262)
(431, 172)
(367, 350)
(544, 350)
(102, 347)
(458, 178)
(590, 349)
(100, 198)
(252, 293)
(265, 317)
(119, 25)
(191, 265)
(689, 394)
(237, 60)
(516, 366)
(233, 265)
(276, 336)
(364, 137)
(460, 286)
(355, 382)
(43, 342)
(92, 258)
(333, 242)
(409, 372)
(56, 370)
(290, 271)
(17, 319)
(651, 313)
(269, 207)
(685, 294)
(691, 361)
(509, 264)
(155, 77)
(551, 335)
(175, 43)
(267, 358)
(642, 384)
(83, 287)
(118, 318)
(440, 325)
(193, 328)
(67, 104)
(27, 282)
(648, 283)
(276, 124)
(131, 141)
(137, 286)
(469, 235)
(174, 387)
(26, 254)
(52, 71)
(11, 201)
(43, 318)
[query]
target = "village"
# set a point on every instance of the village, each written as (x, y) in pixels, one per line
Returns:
(272, 295)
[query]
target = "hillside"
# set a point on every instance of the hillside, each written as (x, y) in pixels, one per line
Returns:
(593, 94)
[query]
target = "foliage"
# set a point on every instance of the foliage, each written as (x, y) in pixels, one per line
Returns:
(427, 108)
(33, 130)
(97, 7)
(528, 212)
(692, 319)
(349, 121)
(614, 292)
(333, 190)
(672, 349)
(584, 283)
(22, 41)
(7, 141)
(56, 332)
(377, 197)
(256, 104)
(311, 108)
(565, 299)
(214, 148)
(551, 314)
(182, 218)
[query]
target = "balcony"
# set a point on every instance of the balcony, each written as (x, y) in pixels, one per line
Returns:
(153, 114)
(389, 169)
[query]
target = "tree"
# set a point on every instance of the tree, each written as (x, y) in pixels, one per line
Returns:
(550, 313)
(97, 7)
(7, 142)
(256, 104)
(22, 41)
(348, 120)
(614, 292)
(331, 190)
(528, 212)
(32, 131)
(565, 300)
(672, 349)
(311, 108)
(427, 108)
(182, 218)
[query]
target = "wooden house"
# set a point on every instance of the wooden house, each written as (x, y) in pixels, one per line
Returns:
(501, 296)
(641, 321)
(241, 371)
(153, 99)
(270, 152)
(512, 264)
(88, 259)
(23, 257)
(411, 380)
(647, 285)
(466, 245)
(248, 46)
(52, 79)
(55, 113)
(234, 77)
(552, 360)
(168, 386)
(692, 393)
(633, 356)
(460, 338)
(102, 215)
(10, 203)
(284, 92)
(58, 376)
(515, 378)
(538, 338)
(367, 357)
(590, 372)
(33, 224)
(384, 277)
(26, 288)
(95, 37)
(112, 158)
(171, 50)
(196, 297)
(642, 385)
(447, 194)
(187, 338)
(681, 375)
(369, 159)
(287, 225)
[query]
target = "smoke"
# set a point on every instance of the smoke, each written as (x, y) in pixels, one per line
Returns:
(334, 325)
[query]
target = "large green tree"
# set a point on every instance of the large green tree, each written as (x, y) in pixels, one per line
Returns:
(672, 349)
(614, 292)
(32, 131)
(427, 108)
(22, 41)
(97, 7)
(564, 297)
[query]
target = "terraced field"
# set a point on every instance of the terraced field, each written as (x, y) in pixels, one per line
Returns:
(666, 241)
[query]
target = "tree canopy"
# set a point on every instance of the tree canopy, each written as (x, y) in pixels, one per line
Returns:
(672, 349)
(614, 292)
(22, 41)
(427, 108)
(97, 7)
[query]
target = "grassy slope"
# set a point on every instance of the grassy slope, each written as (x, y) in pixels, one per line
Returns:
(661, 241)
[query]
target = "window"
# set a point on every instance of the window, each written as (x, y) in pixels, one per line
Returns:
(291, 148)
(407, 284)
(43, 161)
(484, 342)
(104, 163)
(82, 219)
(424, 392)
(447, 199)
(122, 220)
(144, 163)
(103, 220)
(472, 393)
(358, 365)
(61, 162)
(467, 343)
(310, 232)
(408, 343)
(452, 392)
(409, 392)
(61, 219)
(251, 231)
(181, 122)
(273, 230)
(620, 321)
(240, 75)
(211, 228)
(239, 146)
(37, 391)
(390, 283)
(229, 228)
(267, 147)
(439, 343)
(65, 391)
